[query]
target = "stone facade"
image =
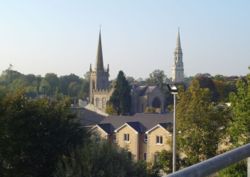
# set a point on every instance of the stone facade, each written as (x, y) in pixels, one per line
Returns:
(178, 68)
(143, 135)
(144, 97)
(99, 81)
(100, 91)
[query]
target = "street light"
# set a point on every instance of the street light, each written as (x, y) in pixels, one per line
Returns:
(174, 91)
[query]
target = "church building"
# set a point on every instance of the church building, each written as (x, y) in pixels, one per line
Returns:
(142, 97)
(99, 91)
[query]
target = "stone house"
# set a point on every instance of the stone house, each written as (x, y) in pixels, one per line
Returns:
(143, 135)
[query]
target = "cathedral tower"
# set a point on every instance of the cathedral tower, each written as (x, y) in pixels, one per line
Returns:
(99, 77)
(178, 69)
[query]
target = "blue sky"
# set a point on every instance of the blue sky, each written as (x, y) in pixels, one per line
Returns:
(139, 36)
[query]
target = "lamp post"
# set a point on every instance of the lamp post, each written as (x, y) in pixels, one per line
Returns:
(174, 91)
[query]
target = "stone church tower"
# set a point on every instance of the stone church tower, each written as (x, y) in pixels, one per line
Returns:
(99, 80)
(178, 69)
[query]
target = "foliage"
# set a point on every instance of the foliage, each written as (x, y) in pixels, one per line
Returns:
(157, 77)
(235, 170)
(239, 126)
(120, 100)
(101, 159)
(50, 85)
(150, 110)
(200, 123)
(110, 110)
(240, 103)
(34, 134)
(164, 161)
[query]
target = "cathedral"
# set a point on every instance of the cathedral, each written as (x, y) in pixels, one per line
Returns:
(142, 97)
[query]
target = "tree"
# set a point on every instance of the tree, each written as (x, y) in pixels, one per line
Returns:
(239, 126)
(53, 81)
(101, 159)
(34, 135)
(200, 123)
(120, 100)
(157, 77)
(165, 163)
(44, 87)
(240, 103)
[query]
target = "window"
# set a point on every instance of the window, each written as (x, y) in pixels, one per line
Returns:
(159, 140)
(145, 156)
(126, 137)
(145, 138)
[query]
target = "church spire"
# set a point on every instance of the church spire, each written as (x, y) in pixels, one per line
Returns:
(178, 68)
(178, 42)
(99, 57)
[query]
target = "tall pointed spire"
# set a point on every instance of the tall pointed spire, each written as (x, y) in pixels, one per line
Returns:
(178, 42)
(178, 68)
(99, 57)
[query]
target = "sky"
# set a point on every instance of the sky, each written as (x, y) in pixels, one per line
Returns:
(138, 36)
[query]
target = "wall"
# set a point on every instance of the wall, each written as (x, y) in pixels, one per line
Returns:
(133, 144)
(152, 147)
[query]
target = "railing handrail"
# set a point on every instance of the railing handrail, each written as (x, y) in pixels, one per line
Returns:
(214, 164)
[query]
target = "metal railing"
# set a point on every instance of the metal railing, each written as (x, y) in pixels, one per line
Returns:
(216, 163)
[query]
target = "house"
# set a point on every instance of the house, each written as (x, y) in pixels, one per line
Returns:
(143, 135)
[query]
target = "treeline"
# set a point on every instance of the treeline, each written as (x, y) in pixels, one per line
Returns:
(76, 87)
(50, 85)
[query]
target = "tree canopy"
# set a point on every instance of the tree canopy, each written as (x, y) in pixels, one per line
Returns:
(199, 123)
(120, 100)
(34, 134)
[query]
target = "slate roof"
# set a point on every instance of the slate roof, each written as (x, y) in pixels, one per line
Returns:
(141, 122)
(168, 126)
(108, 128)
(87, 117)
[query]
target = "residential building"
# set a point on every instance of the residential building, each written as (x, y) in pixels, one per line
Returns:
(143, 135)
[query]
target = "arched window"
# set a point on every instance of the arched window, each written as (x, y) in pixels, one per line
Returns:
(156, 103)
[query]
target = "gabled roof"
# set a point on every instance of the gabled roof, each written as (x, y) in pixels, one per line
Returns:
(167, 126)
(106, 128)
(146, 120)
(136, 126)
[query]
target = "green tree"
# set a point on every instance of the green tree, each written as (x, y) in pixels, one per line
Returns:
(239, 126)
(200, 123)
(101, 159)
(34, 135)
(44, 87)
(240, 103)
(120, 100)
(53, 81)
(164, 161)
(157, 77)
